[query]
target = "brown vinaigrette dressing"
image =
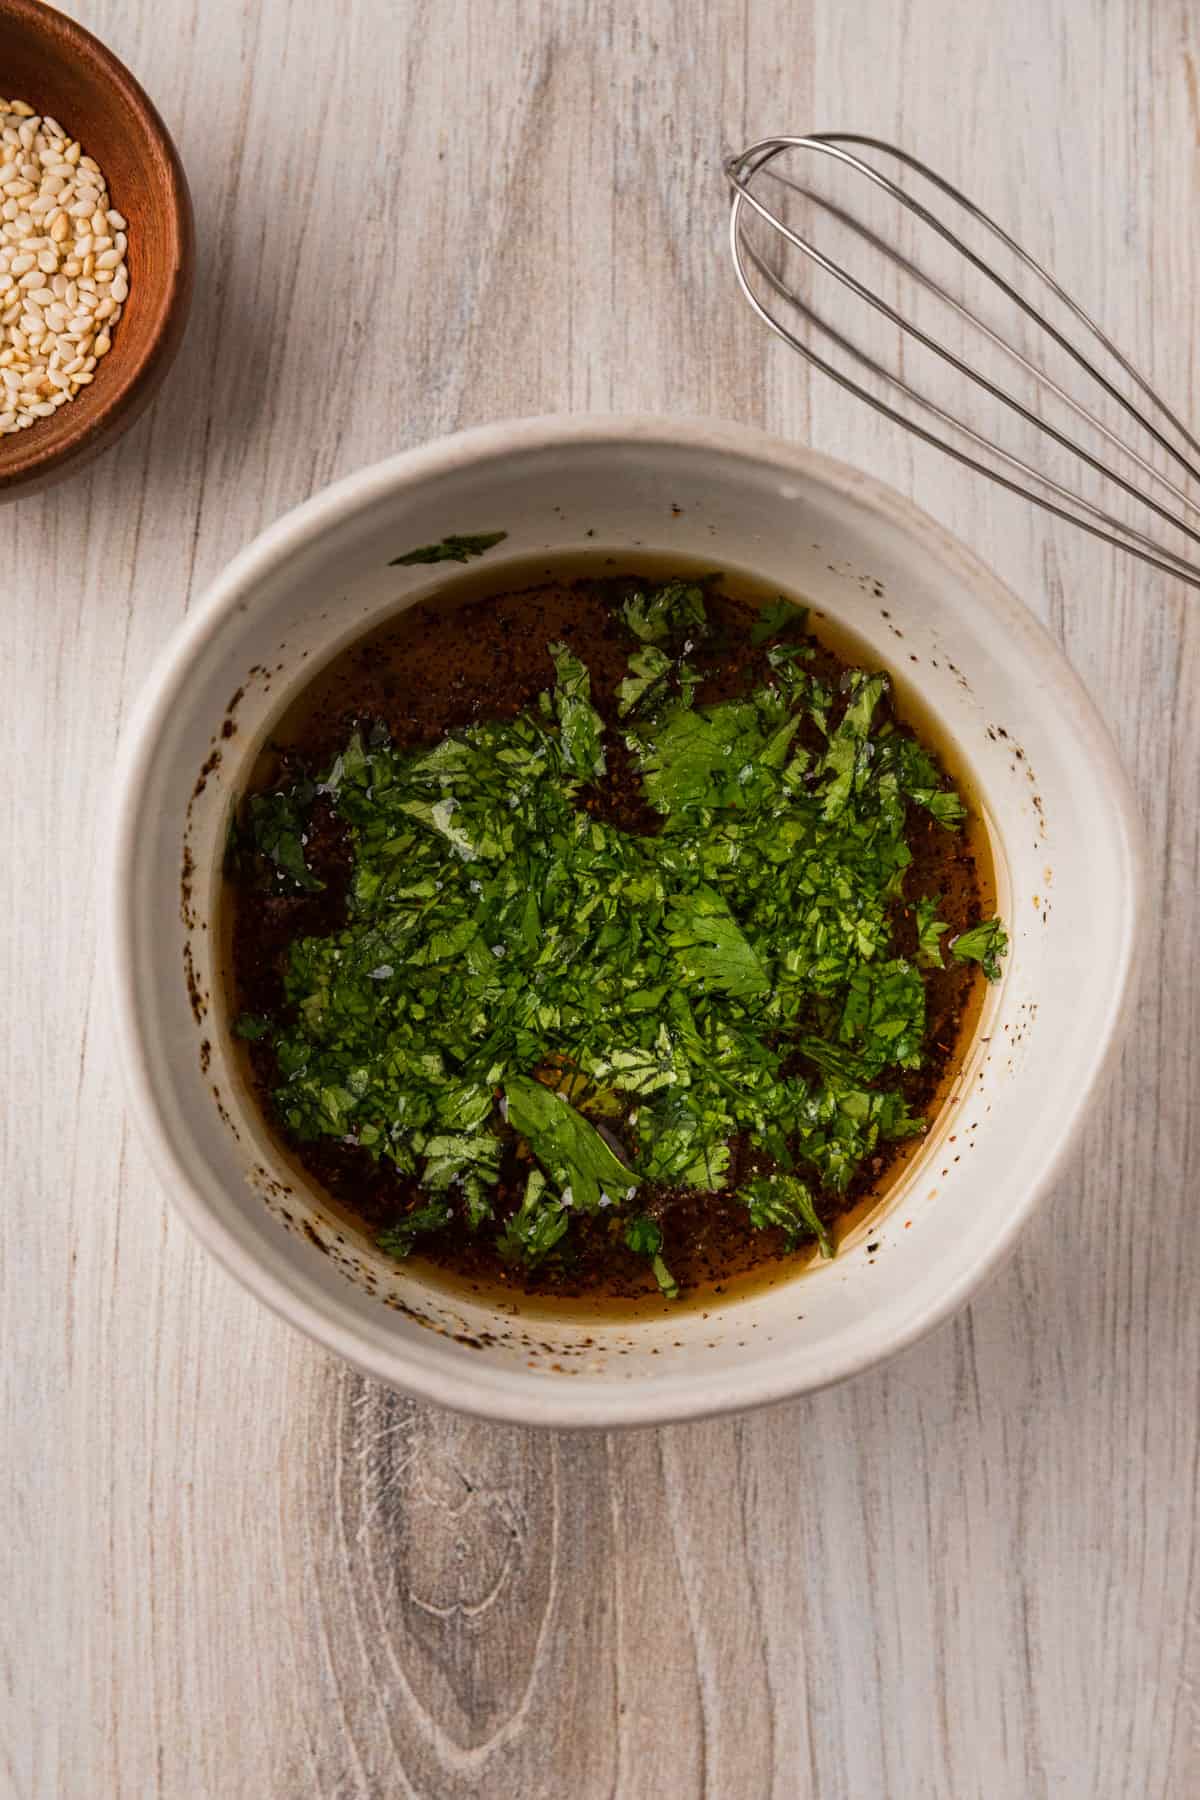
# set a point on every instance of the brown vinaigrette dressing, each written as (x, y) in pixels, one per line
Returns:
(427, 671)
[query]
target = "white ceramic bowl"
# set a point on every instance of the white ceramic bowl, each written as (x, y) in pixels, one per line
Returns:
(1056, 800)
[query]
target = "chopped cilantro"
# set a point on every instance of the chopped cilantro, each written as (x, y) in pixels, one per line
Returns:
(398, 1240)
(699, 759)
(883, 1017)
(782, 615)
(710, 948)
(984, 944)
(644, 1236)
(946, 808)
(583, 1168)
(787, 1202)
(275, 825)
(251, 1026)
(929, 930)
(673, 613)
(537, 1225)
(580, 725)
(648, 668)
(451, 549)
(516, 976)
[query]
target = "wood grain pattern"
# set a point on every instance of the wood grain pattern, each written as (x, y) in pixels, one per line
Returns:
(231, 1567)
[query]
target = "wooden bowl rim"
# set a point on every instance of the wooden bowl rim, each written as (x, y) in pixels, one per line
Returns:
(23, 461)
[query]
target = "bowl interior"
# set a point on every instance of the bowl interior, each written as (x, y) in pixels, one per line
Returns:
(1055, 801)
(61, 70)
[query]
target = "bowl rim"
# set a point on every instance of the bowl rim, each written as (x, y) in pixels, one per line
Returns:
(513, 1396)
(28, 462)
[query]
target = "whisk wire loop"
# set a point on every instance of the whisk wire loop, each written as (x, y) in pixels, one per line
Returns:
(752, 173)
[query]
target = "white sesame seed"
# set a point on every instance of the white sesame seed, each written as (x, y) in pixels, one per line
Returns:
(63, 275)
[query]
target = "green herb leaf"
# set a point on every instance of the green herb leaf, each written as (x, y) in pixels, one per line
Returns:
(946, 807)
(276, 827)
(929, 930)
(536, 1227)
(398, 1240)
(644, 1237)
(785, 1201)
(580, 723)
(251, 1026)
(710, 947)
(984, 944)
(848, 759)
(672, 613)
(702, 758)
(686, 1143)
(883, 1016)
(451, 549)
(918, 777)
(649, 667)
(571, 1151)
(780, 616)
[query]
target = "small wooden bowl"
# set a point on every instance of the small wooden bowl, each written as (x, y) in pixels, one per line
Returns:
(62, 70)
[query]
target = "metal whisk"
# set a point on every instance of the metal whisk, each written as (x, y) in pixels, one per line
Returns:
(969, 315)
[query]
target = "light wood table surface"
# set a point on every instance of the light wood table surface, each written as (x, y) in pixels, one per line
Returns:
(230, 1567)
